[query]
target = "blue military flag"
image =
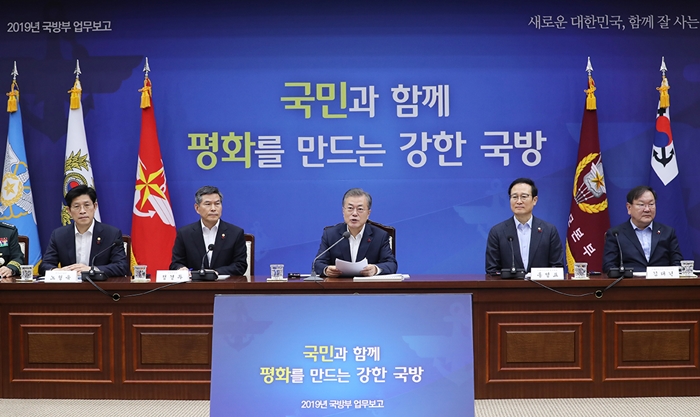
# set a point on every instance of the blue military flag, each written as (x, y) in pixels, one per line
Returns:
(17, 206)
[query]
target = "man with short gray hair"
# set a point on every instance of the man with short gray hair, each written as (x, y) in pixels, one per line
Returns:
(228, 255)
(364, 240)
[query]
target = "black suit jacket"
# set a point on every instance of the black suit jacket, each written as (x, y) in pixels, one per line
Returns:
(61, 250)
(545, 246)
(374, 246)
(665, 250)
(229, 256)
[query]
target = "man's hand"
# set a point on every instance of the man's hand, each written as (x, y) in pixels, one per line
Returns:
(331, 271)
(370, 270)
(75, 267)
(5, 272)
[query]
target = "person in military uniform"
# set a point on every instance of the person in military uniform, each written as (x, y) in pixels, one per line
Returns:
(11, 256)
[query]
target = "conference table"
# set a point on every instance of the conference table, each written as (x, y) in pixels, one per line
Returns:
(574, 338)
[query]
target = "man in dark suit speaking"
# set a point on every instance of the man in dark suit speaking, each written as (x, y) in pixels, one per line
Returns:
(364, 240)
(73, 246)
(228, 255)
(643, 242)
(531, 241)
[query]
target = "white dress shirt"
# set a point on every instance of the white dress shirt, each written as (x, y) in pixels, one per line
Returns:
(209, 238)
(83, 244)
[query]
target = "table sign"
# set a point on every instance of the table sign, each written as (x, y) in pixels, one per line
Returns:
(544, 274)
(382, 278)
(661, 272)
(342, 355)
(62, 276)
(172, 276)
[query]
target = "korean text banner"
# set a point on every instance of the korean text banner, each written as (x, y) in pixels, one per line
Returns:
(432, 107)
(351, 355)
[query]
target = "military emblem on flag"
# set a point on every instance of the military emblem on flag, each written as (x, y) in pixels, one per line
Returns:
(663, 154)
(588, 216)
(78, 170)
(664, 176)
(152, 223)
(17, 203)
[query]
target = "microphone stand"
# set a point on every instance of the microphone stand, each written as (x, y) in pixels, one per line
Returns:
(507, 273)
(206, 274)
(621, 271)
(314, 276)
(93, 275)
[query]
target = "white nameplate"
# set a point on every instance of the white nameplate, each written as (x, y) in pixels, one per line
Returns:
(283, 279)
(173, 276)
(382, 278)
(660, 272)
(62, 276)
(542, 274)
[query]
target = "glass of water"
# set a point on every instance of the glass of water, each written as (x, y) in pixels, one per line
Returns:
(26, 272)
(277, 272)
(687, 268)
(581, 270)
(140, 272)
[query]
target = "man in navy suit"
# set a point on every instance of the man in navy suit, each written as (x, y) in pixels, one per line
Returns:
(534, 242)
(73, 246)
(229, 254)
(643, 242)
(365, 240)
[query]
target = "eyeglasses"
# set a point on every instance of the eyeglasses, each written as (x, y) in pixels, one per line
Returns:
(359, 210)
(86, 206)
(642, 206)
(521, 197)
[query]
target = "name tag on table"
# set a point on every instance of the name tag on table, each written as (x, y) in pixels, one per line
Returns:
(660, 272)
(544, 274)
(62, 276)
(172, 276)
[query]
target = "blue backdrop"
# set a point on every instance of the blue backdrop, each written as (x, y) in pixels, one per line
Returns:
(408, 100)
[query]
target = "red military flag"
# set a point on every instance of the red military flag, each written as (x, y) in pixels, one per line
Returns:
(588, 218)
(153, 225)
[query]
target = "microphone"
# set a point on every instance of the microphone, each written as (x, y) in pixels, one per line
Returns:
(93, 275)
(621, 271)
(206, 274)
(314, 276)
(512, 272)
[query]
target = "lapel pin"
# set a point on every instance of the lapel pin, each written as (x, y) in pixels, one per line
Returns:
(99, 240)
(223, 236)
(658, 232)
(539, 230)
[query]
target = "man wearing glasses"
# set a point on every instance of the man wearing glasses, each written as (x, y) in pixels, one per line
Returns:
(364, 240)
(643, 242)
(73, 247)
(531, 241)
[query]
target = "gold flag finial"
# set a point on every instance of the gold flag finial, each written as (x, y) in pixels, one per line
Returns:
(146, 94)
(590, 91)
(664, 98)
(146, 90)
(590, 95)
(13, 95)
(76, 91)
(75, 95)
